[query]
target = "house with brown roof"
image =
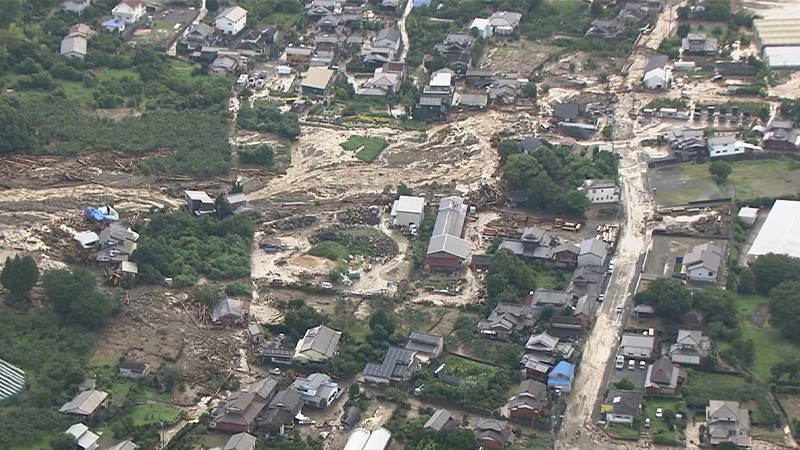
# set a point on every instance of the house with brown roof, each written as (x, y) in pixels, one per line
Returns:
(427, 346)
(663, 377)
(493, 434)
(530, 402)
(239, 413)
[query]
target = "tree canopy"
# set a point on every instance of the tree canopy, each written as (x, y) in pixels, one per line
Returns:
(670, 298)
(772, 269)
(509, 279)
(784, 304)
(19, 276)
(720, 170)
(74, 296)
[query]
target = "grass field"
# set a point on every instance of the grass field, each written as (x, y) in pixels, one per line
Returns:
(770, 346)
(121, 391)
(149, 414)
(658, 426)
(369, 147)
(330, 250)
(469, 370)
(566, 7)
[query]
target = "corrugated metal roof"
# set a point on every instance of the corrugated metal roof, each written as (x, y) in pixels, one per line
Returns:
(780, 232)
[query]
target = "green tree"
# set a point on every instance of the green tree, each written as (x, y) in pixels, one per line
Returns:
(508, 147)
(771, 270)
(403, 189)
(683, 29)
(10, 11)
(19, 276)
(207, 293)
(670, 297)
(576, 202)
(63, 442)
(17, 134)
(720, 170)
(74, 297)
(212, 5)
(625, 384)
(608, 131)
(531, 90)
(784, 304)
(520, 169)
(747, 282)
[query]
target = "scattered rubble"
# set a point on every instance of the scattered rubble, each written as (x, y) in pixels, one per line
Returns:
(360, 215)
(295, 223)
(378, 244)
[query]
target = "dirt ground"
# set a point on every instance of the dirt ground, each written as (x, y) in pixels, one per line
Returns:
(516, 57)
(665, 249)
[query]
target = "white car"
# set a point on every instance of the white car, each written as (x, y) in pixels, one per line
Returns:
(601, 297)
(647, 422)
(620, 363)
(659, 413)
(619, 308)
(326, 285)
(631, 364)
(611, 266)
(642, 365)
(275, 371)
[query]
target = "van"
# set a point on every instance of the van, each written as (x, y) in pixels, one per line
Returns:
(326, 285)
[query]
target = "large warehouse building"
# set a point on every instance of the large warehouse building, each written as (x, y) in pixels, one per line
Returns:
(780, 232)
(779, 40)
(782, 57)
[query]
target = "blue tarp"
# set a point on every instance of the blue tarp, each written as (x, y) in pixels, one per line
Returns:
(100, 214)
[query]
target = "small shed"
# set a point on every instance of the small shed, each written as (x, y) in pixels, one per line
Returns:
(351, 418)
(748, 215)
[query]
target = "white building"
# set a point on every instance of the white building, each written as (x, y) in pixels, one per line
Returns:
(727, 146)
(656, 73)
(703, 263)
(75, 6)
(408, 211)
(601, 191)
(593, 252)
(129, 11)
(231, 20)
(748, 215)
(85, 439)
(483, 27)
(781, 231)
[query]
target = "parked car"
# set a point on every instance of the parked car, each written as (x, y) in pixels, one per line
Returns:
(642, 365)
(647, 422)
(659, 413)
(275, 371)
(620, 362)
(601, 297)
(611, 266)
(619, 308)
(326, 285)
(631, 364)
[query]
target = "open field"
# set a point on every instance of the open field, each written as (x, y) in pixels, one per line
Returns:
(368, 148)
(677, 185)
(520, 56)
(658, 426)
(770, 346)
(150, 414)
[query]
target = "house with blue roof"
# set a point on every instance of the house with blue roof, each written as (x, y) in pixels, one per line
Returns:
(561, 377)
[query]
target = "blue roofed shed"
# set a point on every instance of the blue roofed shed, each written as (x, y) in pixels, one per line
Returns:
(561, 377)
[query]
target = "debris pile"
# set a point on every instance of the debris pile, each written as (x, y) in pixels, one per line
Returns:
(360, 240)
(295, 223)
(715, 224)
(360, 215)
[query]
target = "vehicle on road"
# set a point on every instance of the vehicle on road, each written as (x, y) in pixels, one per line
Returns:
(619, 308)
(659, 413)
(326, 285)
(620, 362)
(601, 297)
(647, 422)
(611, 266)
(631, 364)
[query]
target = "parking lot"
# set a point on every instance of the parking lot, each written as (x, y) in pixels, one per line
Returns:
(166, 23)
(636, 375)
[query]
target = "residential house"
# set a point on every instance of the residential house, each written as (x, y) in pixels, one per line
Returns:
(481, 263)
(532, 144)
(388, 38)
(129, 11)
(238, 204)
(198, 36)
(430, 107)
(541, 343)
(440, 420)
(298, 56)
(482, 26)
(726, 421)
(687, 143)
(663, 378)
(446, 249)
(86, 403)
(565, 255)
(114, 25)
(535, 370)
(397, 367)
(381, 84)
(698, 43)
(199, 203)
(456, 48)
(116, 244)
(230, 311)
(542, 298)
(605, 29)
(74, 6)
(231, 20)
(317, 81)
(593, 253)
(566, 326)
(656, 73)
(560, 378)
(84, 439)
(568, 112)
(493, 434)
(426, 345)
(87, 384)
(601, 191)
(320, 8)
(504, 23)
(351, 417)
(691, 347)
(621, 407)
(534, 243)
(721, 146)
(281, 412)
(636, 346)
(317, 345)
(407, 211)
(317, 390)
(257, 42)
(223, 66)
(263, 389)
(643, 311)
(703, 263)
(255, 333)
(124, 445)
(507, 319)
(584, 310)
(74, 47)
(473, 100)
(276, 355)
(390, 5)
(133, 370)
(504, 90)
(530, 401)
(440, 84)
(478, 78)
(581, 131)
(240, 441)
(80, 29)
(377, 56)
(781, 135)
